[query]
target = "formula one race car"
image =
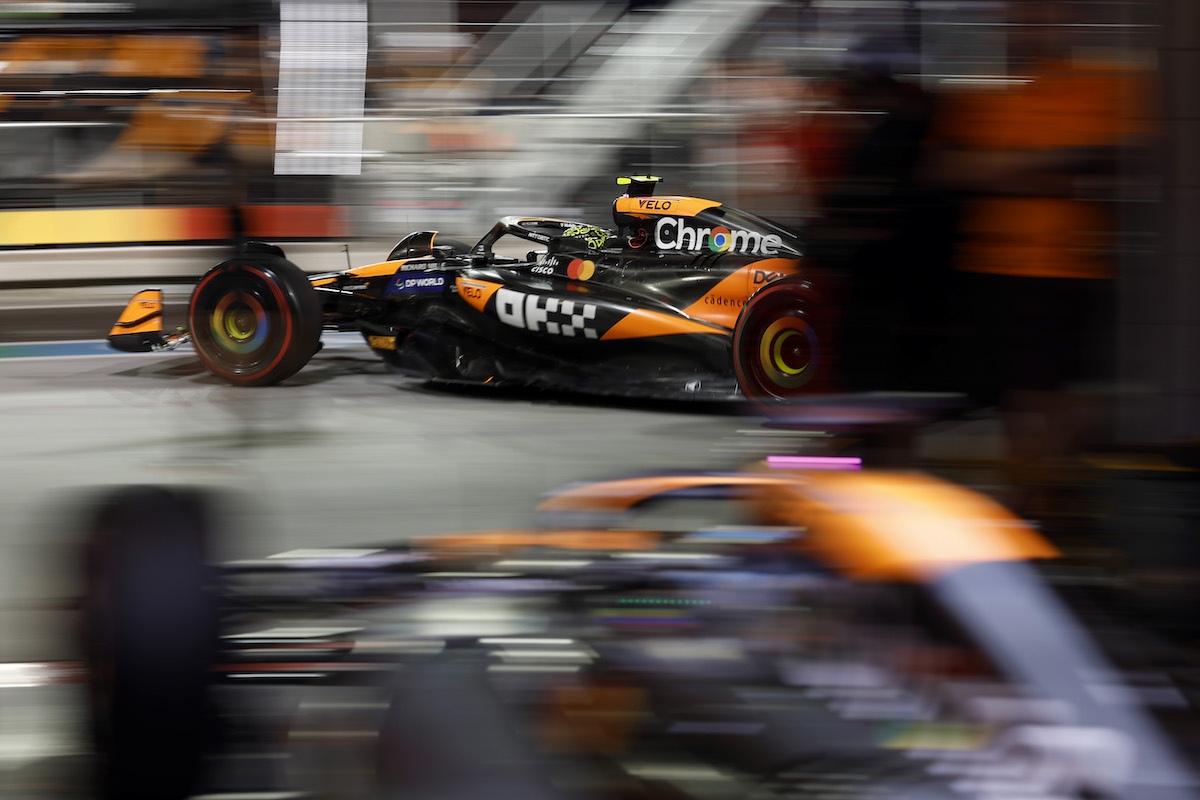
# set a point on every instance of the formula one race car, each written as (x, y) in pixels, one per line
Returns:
(874, 634)
(685, 297)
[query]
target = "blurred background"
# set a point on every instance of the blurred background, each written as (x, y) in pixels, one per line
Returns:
(999, 197)
(167, 124)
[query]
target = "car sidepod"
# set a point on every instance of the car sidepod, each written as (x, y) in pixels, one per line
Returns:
(583, 327)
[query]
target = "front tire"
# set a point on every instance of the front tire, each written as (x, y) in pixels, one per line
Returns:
(777, 350)
(255, 320)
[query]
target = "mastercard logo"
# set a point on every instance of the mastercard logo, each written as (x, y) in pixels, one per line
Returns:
(580, 270)
(719, 239)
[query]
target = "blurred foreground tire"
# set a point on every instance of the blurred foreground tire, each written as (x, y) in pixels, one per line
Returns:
(151, 638)
(255, 319)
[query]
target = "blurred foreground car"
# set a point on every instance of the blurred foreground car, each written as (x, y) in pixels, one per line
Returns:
(825, 631)
(683, 298)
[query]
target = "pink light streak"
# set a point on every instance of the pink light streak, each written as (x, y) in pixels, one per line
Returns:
(814, 462)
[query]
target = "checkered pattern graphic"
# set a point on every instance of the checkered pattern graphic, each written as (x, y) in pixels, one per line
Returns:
(554, 316)
(587, 311)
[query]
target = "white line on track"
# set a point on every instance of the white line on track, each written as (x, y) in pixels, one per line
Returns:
(73, 306)
(334, 340)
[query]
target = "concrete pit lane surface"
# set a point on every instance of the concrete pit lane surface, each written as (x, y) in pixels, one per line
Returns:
(344, 453)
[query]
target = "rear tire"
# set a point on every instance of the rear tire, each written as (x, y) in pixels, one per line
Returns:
(255, 320)
(777, 351)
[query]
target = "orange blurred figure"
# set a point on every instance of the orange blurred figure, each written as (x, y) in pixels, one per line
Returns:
(1038, 163)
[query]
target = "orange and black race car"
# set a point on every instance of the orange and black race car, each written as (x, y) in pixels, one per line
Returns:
(801, 627)
(682, 297)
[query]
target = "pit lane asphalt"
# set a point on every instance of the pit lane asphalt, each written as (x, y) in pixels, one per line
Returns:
(343, 453)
